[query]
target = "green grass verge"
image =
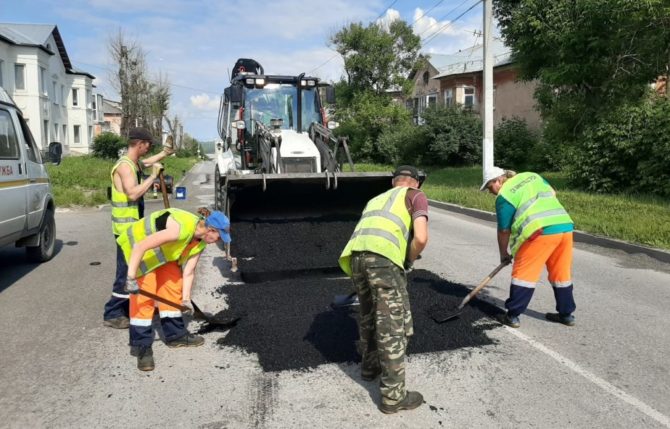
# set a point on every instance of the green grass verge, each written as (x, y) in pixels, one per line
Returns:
(639, 219)
(83, 180)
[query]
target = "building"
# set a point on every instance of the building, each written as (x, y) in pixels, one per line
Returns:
(426, 90)
(111, 117)
(57, 100)
(461, 83)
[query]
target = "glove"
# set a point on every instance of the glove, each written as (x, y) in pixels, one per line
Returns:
(189, 308)
(168, 146)
(156, 168)
(506, 259)
(409, 266)
(132, 286)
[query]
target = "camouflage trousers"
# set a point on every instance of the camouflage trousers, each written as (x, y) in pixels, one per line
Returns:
(385, 323)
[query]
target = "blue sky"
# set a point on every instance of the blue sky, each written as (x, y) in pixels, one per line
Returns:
(196, 42)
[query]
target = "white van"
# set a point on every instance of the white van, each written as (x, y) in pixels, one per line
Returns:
(26, 202)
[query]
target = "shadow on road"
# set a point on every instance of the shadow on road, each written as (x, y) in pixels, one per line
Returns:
(14, 263)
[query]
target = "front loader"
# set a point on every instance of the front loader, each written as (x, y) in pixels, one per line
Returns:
(279, 175)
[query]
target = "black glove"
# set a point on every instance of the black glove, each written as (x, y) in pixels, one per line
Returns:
(506, 259)
(132, 286)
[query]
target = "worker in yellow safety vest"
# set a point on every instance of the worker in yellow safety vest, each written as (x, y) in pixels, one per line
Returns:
(162, 252)
(391, 234)
(127, 192)
(537, 230)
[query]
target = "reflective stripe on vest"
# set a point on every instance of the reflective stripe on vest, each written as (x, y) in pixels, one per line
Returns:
(168, 252)
(536, 207)
(124, 211)
(384, 229)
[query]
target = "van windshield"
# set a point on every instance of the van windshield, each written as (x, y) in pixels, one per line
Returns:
(280, 101)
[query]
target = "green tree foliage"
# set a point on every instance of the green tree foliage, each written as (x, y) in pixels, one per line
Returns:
(627, 149)
(520, 148)
(107, 145)
(454, 136)
(378, 58)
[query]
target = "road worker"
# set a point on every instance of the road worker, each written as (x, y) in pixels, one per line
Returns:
(537, 230)
(392, 232)
(127, 192)
(162, 251)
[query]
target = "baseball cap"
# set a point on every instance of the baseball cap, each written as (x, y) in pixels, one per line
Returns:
(490, 174)
(140, 133)
(218, 220)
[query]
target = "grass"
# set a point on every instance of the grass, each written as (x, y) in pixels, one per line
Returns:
(83, 180)
(640, 219)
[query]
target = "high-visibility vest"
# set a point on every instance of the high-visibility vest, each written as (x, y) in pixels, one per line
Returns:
(124, 210)
(383, 229)
(536, 207)
(177, 250)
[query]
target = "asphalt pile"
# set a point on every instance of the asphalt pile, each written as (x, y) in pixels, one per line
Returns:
(272, 250)
(290, 325)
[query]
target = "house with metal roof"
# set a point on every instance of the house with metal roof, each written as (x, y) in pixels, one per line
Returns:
(56, 98)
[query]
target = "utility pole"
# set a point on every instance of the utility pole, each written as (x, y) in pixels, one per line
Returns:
(487, 144)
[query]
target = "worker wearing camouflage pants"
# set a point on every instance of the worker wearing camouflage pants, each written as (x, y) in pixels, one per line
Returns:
(392, 232)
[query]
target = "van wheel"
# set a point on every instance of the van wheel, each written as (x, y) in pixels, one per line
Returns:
(45, 250)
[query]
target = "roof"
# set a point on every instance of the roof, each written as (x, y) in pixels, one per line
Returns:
(110, 107)
(471, 59)
(37, 35)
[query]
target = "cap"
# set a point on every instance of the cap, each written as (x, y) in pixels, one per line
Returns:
(140, 134)
(407, 170)
(490, 174)
(218, 220)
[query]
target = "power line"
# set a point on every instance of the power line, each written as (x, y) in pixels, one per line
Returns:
(437, 33)
(443, 17)
(428, 10)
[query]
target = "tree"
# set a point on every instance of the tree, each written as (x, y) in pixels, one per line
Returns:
(143, 103)
(378, 58)
(588, 55)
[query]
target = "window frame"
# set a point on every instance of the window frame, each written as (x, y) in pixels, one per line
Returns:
(22, 67)
(16, 136)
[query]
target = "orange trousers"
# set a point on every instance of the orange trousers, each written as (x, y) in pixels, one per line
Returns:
(166, 282)
(553, 251)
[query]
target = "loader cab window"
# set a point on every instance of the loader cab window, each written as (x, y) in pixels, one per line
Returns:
(310, 108)
(280, 101)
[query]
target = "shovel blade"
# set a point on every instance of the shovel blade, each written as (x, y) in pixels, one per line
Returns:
(441, 314)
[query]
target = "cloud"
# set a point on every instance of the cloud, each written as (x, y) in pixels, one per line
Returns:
(388, 18)
(204, 102)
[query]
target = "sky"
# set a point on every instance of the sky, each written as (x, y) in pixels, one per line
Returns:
(195, 43)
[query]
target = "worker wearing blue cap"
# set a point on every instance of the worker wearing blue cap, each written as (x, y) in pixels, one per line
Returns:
(162, 252)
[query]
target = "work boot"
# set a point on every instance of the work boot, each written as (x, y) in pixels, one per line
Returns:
(411, 401)
(145, 359)
(121, 322)
(511, 321)
(188, 340)
(567, 319)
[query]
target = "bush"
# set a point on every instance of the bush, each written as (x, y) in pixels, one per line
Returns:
(404, 144)
(454, 136)
(520, 148)
(626, 150)
(107, 145)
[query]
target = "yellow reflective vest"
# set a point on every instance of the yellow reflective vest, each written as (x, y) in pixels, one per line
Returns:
(383, 229)
(168, 252)
(536, 207)
(124, 210)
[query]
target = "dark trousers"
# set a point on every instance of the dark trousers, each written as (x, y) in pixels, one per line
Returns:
(117, 306)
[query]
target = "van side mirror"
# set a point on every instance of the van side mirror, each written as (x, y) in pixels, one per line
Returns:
(330, 95)
(55, 152)
(236, 94)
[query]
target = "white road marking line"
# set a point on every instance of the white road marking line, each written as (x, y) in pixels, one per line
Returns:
(607, 387)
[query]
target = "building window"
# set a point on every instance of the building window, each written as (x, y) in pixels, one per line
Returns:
(75, 97)
(77, 138)
(55, 92)
(20, 76)
(62, 94)
(431, 100)
(90, 135)
(45, 134)
(469, 96)
(88, 99)
(43, 81)
(449, 97)
(425, 78)
(56, 132)
(64, 135)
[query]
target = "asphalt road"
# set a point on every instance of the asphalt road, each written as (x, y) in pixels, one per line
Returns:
(62, 368)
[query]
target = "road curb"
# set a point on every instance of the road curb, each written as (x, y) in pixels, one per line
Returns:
(579, 236)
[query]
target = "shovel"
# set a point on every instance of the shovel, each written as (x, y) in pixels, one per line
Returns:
(214, 321)
(440, 315)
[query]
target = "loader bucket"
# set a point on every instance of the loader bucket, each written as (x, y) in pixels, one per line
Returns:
(285, 225)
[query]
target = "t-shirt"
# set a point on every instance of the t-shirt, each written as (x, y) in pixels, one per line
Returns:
(416, 203)
(505, 214)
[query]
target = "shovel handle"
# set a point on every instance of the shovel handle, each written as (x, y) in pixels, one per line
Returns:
(161, 179)
(163, 300)
(481, 285)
